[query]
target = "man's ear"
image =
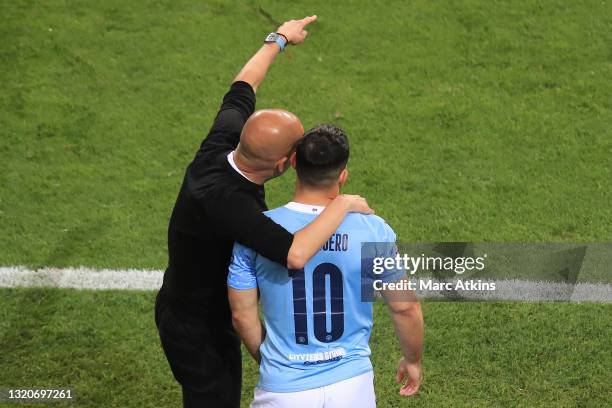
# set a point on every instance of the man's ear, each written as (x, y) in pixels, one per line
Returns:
(282, 165)
(343, 177)
(293, 159)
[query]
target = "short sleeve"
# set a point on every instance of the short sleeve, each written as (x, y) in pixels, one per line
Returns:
(393, 274)
(374, 254)
(390, 248)
(242, 269)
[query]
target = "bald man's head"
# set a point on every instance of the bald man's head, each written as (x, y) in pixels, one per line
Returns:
(268, 138)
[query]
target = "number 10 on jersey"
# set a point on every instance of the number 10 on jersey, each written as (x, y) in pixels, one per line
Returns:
(320, 274)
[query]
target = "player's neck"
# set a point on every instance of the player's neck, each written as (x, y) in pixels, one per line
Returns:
(312, 196)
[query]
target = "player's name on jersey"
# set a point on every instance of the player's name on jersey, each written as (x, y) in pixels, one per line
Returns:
(433, 285)
(336, 243)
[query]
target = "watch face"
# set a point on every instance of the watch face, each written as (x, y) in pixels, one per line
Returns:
(271, 37)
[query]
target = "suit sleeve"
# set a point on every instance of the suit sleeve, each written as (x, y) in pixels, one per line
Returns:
(238, 104)
(237, 213)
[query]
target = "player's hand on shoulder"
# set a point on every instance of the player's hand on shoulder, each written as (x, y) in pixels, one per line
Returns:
(412, 375)
(294, 30)
(355, 203)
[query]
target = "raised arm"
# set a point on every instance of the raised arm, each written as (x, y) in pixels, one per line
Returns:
(256, 68)
(243, 221)
(239, 102)
(310, 239)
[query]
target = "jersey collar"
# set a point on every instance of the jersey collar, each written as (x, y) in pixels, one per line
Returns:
(304, 208)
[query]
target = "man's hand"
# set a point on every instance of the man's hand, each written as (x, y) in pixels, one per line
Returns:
(256, 68)
(355, 203)
(294, 31)
(413, 373)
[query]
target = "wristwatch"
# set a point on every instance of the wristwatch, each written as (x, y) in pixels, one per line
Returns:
(280, 39)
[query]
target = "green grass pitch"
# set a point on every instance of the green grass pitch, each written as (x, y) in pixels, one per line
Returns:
(105, 345)
(469, 120)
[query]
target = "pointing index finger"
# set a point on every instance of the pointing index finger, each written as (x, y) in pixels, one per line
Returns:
(308, 20)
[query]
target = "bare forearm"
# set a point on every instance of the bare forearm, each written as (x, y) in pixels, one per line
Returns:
(308, 240)
(409, 329)
(245, 318)
(256, 68)
(252, 334)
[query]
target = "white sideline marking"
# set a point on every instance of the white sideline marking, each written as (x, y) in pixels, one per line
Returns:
(80, 278)
(137, 279)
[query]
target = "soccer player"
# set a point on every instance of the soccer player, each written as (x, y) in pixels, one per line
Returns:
(313, 351)
(221, 201)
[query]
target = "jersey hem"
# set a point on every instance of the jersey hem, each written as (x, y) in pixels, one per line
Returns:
(313, 385)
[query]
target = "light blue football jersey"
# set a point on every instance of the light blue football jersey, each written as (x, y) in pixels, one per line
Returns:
(317, 327)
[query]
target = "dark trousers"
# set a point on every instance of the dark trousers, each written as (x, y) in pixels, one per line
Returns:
(204, 357)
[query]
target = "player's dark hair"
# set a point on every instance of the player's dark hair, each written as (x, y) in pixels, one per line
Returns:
(321, 155)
